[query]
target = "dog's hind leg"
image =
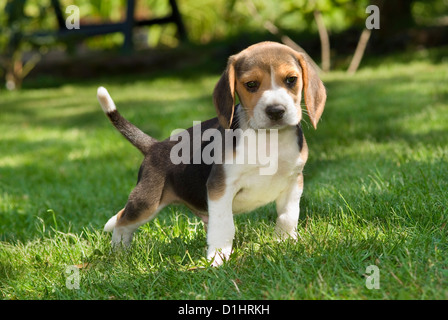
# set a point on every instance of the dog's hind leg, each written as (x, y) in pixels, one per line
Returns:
(142, 206)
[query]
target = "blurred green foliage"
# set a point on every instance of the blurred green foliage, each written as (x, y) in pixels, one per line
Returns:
(432, 12)
(208, 20)
(205, 20)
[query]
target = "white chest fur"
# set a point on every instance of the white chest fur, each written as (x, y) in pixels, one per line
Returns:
(260, 182)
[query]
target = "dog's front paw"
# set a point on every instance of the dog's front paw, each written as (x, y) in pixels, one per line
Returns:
(218, 256)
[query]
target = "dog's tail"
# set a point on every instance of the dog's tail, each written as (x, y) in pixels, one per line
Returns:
(135, 136)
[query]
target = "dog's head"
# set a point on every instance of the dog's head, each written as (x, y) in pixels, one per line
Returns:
(268, 78)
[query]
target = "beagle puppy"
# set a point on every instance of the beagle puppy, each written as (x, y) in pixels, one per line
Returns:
(268, 79)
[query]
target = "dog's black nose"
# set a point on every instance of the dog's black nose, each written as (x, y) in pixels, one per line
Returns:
(275, 112)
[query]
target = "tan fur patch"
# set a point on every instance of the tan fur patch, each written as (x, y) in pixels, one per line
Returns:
(300, 181)
(304, 151)
(142, 217)
(119, 214)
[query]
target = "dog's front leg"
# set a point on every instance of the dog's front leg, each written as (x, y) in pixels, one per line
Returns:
(221, 229)
(288, 209)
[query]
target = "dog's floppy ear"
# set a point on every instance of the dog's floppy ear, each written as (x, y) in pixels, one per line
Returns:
(224, 95)
(313, 90)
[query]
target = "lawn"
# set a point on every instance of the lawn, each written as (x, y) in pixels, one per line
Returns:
(376, 193)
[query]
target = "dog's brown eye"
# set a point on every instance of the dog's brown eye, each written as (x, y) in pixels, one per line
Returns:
(252, 85)
(290, 81)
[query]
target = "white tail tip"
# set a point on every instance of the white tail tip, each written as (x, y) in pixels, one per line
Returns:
(105, 100)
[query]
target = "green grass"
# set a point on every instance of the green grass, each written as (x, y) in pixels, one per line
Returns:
(376, 193)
